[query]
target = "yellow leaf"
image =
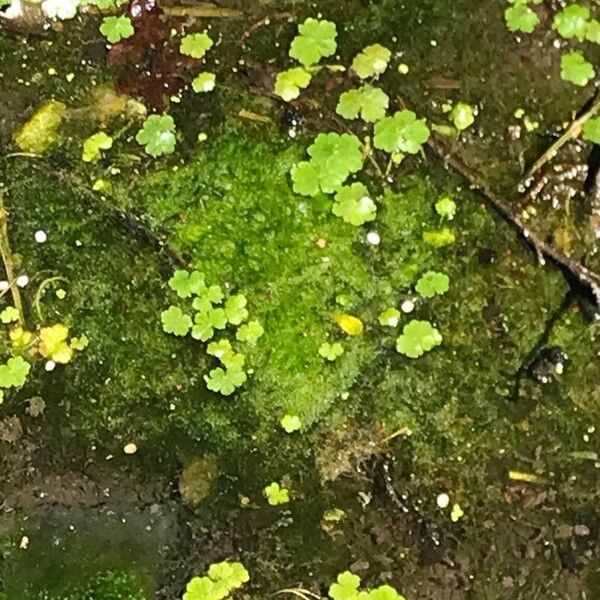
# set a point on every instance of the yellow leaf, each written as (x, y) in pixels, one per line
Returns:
(40, 132)
(79, 343)
(349, 324)
(53, 342)
(19, 337)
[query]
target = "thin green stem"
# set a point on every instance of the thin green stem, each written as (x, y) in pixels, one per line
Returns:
(7, 260)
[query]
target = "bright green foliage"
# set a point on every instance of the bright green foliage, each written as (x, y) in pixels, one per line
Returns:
(519, 17)
(315, 40)
(235, 309)
(175, 321)
(204, 82)
(446, 207)
(462, 115)
(205, 323)
(417, 338)
(275, 494)
(93, 145)
(250, 332)
(185, 284)
(401, 133)
(373, 60)
(289, 83)
(157, 135)
(225, 381)
(575, 68)
(592, 32)
(334, 157)
(331, 351)
(14, 372)
(231, 575)
(369, 102)
(353, 204)
(346, 587)
(219, 349)
(207, 296)
(432, 284)
(591, 130)
(9, 315)
(390, 317)
(456, 513)
(291, 423)
(572, 21)
(195, 45)
(439, 237)
(305, 178)
(384, 592)
(223, 578)
(115, 29)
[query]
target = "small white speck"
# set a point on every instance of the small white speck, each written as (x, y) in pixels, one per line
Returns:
(22, 280)
(4, 285)
(50, 365)
(407, 306)
(443, 500)
(559, 368)
(24, 543)
(40, 236)
(373, 238)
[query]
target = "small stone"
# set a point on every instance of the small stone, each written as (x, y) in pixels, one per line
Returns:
(130, 448)
(40, 236)
(373, 238)
(581, 530)
(24, 544)
(443, 500)
(50, 365)
(321, 242)
(407, 306)
(22, 281)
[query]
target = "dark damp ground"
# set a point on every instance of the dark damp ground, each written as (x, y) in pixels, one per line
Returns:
(103, 525)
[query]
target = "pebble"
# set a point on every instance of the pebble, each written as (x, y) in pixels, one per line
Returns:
(50, 365)
(443, 500)
(130, 448)
(40, 236)
(22, 280)
(373, 238)
(24, 543)
(407, 306)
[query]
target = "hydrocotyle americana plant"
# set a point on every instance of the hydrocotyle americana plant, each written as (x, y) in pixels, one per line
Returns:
(347, 587)
(222, 580)
(316, 39)
(212, 312)
(573, 22)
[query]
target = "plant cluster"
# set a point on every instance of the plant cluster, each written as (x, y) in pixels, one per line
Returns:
(276, 494)
(334, 157)
(213, 312)
(316, 39)
(221, 581)
(572, 22)
(347, 587)
(52, 343)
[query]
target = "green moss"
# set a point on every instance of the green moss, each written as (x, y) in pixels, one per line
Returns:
(106, 585)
